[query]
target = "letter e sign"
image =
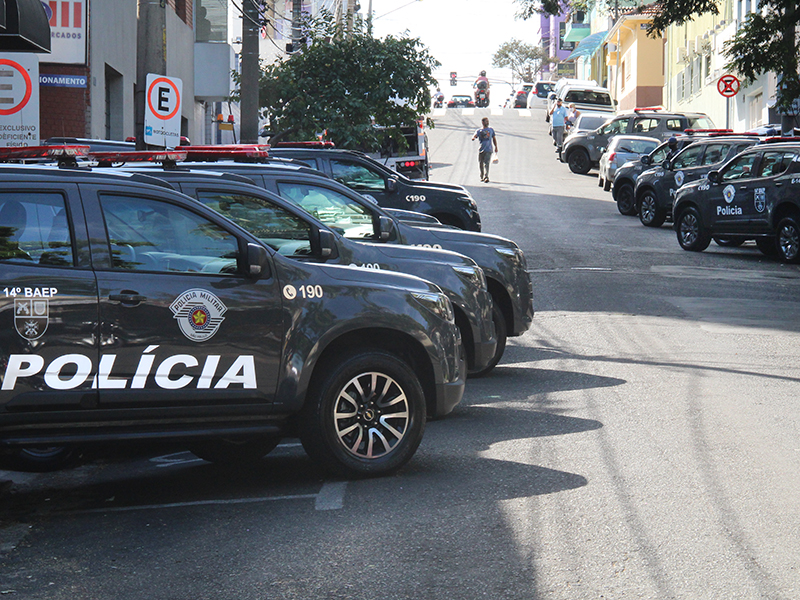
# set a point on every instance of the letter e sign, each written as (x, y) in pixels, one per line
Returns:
(162, 116)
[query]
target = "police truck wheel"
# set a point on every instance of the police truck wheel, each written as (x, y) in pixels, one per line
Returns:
(788, 240)
(232, 451)
(579, 162)
(691, 234)
(626, 204)
(37, 459)
(364, 415)
(767, 246)
(501, 332)
(649, 213)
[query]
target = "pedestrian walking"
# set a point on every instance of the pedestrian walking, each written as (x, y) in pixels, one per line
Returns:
(487, 138)
(558, 116)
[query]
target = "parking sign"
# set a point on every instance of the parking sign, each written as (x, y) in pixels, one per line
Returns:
(162, 115)
(19, 100)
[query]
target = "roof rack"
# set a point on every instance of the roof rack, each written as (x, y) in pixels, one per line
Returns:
(66, 155)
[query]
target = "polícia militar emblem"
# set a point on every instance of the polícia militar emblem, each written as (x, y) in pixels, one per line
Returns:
(31, 317)
(679, 177)
(760, 199)
(199, 314)
(729, 193)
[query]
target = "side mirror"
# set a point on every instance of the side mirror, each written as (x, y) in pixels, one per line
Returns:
(713, 177)
(391, 184)
(257, 261)
(385, 228)
(327, 244)
(646, 160)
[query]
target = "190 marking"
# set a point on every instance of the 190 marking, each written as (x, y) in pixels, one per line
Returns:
(311, 291)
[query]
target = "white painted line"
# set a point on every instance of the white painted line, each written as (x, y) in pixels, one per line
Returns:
(331, 496)
(524, 112)
(497, 112)
(110, 509)
(438, 112)
(467, 112)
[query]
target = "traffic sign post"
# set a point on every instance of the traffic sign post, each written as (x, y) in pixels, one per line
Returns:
(162, 114)
(728, 86)
(19, 100)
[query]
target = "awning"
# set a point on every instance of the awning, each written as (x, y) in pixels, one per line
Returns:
(588, 46)
(575, 32)
(26, 28)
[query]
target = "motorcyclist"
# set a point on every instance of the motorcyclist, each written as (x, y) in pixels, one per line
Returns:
(481, 85)
(438, 98)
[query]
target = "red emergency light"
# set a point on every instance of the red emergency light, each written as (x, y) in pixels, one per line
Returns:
(648, 108)
(310, 144)
(691, 131)
(106, 159)
(778, 139)
(48, 152)
(226, 151)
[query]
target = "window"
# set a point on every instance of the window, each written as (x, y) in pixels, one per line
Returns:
(690, 157)
(615, 127)
(330, 207)
(714, 153)
(34, 229)
(644, 124)
(356, 176)
(147, 235)
(740, 167)
(674, 125)
(280, 230)
(700, 123)
(639, 146)
(775, 163)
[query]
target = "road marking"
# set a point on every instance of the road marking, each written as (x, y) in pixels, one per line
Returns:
(331, 496)
(438, 112)
(524, 112)
(467, 112)
(111, 509)
(497, 112)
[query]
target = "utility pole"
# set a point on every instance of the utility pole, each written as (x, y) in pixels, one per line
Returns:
(151, 41)
(250, 72)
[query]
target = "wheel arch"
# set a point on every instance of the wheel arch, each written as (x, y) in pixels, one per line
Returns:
(783, 210)
(501, 297)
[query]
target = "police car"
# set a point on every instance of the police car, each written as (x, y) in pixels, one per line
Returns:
(502, 261)
(129, 311)
(450, 204)
(291, 230)
(754, 195)
(655, 188)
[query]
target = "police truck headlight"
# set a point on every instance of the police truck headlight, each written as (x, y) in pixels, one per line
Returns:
(474, 275)
(438, 304)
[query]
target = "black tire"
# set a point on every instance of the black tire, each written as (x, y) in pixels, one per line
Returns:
(787, 240)
(232, 451)
(341, 406)
(729, 242)
(607, 185)
(599, 181)
(578, 161)
(626, 203)
(650, 214)
(692, 235)
(40, 459)
(501, 332)
(767, 246)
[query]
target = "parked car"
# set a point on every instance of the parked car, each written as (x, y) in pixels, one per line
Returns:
(460, 101)
(538, 95)
(587, 121)
(582, 150)
(621, 149)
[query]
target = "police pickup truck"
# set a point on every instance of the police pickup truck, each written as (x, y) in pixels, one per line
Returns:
(503, 262)
(754, 195)
(294, 232)
(132, 312)
(450, 204)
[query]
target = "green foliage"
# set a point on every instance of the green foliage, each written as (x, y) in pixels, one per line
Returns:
(343, 83)
(524, 60)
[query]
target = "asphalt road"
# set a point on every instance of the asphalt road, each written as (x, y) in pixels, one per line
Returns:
(640, 441)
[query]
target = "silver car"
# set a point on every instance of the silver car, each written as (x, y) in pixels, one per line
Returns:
(620, 150)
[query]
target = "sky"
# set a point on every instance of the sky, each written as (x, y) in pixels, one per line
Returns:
(461, 34)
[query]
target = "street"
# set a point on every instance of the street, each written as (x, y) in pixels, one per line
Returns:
(639, 441)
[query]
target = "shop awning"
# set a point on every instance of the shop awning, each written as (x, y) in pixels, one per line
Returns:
(24, 26)
(588, 46)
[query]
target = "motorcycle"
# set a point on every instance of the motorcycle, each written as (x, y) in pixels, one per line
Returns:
(438, 102)
(482, 94)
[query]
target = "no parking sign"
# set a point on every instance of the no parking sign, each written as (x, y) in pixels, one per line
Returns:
(162, 115)
(19, 100)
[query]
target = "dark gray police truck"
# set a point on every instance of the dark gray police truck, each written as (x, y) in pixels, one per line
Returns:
(292, 232)
(450, 204)
(131, 312)
(503, 262)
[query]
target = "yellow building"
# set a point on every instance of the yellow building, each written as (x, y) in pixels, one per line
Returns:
(635, 61)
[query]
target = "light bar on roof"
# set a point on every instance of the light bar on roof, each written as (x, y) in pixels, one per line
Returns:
(309, 144)
(50, 152)
(226, 151)
(139, 156)
(708, 131)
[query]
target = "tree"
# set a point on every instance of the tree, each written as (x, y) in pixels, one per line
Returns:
(524, 60)
(765, 42)
(343, 85)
